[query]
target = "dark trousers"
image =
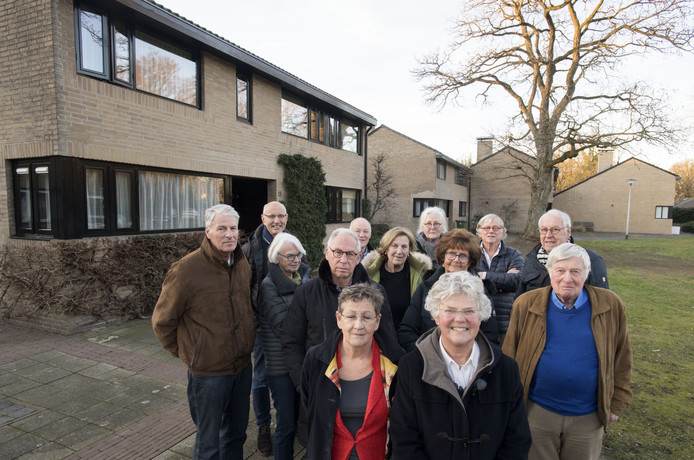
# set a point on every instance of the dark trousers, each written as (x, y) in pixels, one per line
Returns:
(286, 403)
(259, 388)
(219, 408)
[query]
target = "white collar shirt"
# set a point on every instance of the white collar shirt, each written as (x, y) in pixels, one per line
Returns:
(461, 375)
(487, 257)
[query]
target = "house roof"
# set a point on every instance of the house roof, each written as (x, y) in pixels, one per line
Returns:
(686, 203)
(439, 155)
(503, 149)
(617, 166)
(168, 18)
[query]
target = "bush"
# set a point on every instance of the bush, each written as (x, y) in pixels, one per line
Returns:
(682, 215)
(687, 227)
(304, 183)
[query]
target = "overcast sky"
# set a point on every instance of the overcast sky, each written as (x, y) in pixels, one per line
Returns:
(364, 51)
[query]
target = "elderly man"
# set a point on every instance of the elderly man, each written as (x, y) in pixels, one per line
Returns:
(571, 344)
(555, 229)
(274, 221)
(204, 317)
(311, 315)
(362, 228)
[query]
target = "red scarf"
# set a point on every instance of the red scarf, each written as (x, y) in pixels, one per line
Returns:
(371, 437)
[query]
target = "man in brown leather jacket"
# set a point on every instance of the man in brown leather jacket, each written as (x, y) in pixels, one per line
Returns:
(204, 317)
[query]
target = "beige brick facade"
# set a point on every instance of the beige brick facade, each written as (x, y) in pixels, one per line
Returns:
(601, 201)
(413, 168)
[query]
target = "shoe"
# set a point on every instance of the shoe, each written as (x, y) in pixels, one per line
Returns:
(265, 440)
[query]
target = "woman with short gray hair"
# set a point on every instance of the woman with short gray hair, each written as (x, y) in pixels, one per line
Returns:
(432, 224)
(457, 395)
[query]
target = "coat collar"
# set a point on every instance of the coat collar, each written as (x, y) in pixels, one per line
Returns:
(374, 260)
(283, 284)
(216, 256)
(359, 276)
(597, 307)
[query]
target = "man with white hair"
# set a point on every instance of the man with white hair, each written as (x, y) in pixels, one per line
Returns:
(362, 228)
(204, 317)
(571, 343)
(555, 229)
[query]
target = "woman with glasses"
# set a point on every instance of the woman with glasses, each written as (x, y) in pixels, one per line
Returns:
(346, 380)
(285, 273)
(500, 265)
(432, 224)
(398, 268)
(457, 250)
(457, 396)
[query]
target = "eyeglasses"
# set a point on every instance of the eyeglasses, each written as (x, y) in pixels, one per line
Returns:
(551, 230)
(432, 224)
(353, 318)
(495, 228)
(275, 216)
(338, 253)
(291, 256)
(450, 312)
(461, 256)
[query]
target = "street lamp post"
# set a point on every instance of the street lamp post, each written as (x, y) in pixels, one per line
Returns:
(630, 183)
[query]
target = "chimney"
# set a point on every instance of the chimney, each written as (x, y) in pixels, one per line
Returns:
(484, 147)
(605, 159)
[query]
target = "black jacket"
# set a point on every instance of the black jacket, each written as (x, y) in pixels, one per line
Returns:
(430, 419)
(311, 318)
(320, 398)
(276, 294)
(417, 319)
(534, 275)
(255, 250)
(505, 283)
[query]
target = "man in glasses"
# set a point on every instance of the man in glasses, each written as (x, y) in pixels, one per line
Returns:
(274, 221)
(555, 229)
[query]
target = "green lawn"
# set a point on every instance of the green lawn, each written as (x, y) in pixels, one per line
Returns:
(655, 278)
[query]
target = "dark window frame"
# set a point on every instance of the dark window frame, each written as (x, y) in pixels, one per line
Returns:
(662, 207)
(462, 208)
(333, 196)
(246, 77)
(431, 202)
(440, 163)
(32, 164)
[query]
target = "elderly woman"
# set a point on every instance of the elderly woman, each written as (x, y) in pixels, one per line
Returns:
(458, 250)
(396, 267)
(571, 343)
(345, 382)
(457, 396)
(432, 224)
(499, 264)
(285, 274)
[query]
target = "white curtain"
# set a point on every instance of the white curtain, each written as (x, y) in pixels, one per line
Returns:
(123, 204)
(95, 199)
(172, 201)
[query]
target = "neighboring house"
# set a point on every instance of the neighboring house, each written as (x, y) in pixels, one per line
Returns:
(422, 177)
(685, 203)
(500, 184)
(599, 203)
(121, 117)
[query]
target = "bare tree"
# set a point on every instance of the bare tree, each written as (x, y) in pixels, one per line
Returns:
(558, 62)
(380, 187)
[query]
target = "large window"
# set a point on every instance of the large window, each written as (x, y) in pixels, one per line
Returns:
(420, 204)
(294, 118)
(107, 48)
(663, 212)
(462, 208)
(350, 137)
(440, 169)
(32, 198)
(343, 204)
(243, 97)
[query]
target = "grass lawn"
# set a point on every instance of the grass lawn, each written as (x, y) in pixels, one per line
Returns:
(655, 278)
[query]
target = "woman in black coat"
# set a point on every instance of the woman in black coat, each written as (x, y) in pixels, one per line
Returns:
(285, 274)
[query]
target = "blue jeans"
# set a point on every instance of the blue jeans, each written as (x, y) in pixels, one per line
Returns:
(286, 402)
(259, 388)
(219, 408)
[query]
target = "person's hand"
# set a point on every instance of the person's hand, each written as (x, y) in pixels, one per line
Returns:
(513, 270)
(483, 275)
(613, 418)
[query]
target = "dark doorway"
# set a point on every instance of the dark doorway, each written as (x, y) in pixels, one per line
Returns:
(248, 196)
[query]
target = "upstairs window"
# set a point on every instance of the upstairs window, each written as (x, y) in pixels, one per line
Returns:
(420, 204)
(462, 208)
(294, 118)
(663, 212)
(440, 170)
(92, 42)
(350, 137)
(243, 97)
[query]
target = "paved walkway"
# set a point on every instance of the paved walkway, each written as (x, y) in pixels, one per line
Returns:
(111, 393)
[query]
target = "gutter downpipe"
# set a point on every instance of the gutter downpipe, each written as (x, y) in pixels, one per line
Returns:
(365, 152)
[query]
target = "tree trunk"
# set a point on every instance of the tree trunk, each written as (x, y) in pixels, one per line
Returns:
(540, 192)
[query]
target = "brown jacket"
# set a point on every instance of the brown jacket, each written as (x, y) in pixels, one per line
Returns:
(204, 314)
(526, 335)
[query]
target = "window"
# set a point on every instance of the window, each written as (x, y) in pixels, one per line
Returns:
(420, 204)
(343, 204)
(94, 184)
(350, 137)
(316, 126)
(243, 97)
(294, 118)
(134, 58)
(32, 198)
(663, 212)
(462, 208)
(460, 176)
(440, 169)
(124, 206)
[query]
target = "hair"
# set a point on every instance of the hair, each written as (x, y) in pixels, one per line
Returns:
(567, 251)
(489, 219)
(343, 231)
(565, 219)
(459, 238)
(361, 291)
(438, 212)
(219, 210)
(389, 237)
(359, 219)
(280, 240)
(458, 283)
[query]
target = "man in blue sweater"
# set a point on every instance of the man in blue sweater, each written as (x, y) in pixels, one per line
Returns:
(571, 344)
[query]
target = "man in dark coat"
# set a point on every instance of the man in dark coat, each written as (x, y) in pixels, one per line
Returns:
(555, 229)
(274, 221)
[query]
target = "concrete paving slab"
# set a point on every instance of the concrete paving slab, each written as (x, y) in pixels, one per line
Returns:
(8, 433)
(43, 373)
(83, 437)
(168, 455)
(36, 421)
(14, 366)
(99, 371)
(60, 428)
(19, 385)
(121, 418)
(185, 447)
(49, 451)
(20, 445)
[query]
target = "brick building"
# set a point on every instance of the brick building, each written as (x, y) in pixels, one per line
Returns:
(121, 117)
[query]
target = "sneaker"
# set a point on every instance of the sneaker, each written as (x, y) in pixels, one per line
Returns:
(264, 440)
